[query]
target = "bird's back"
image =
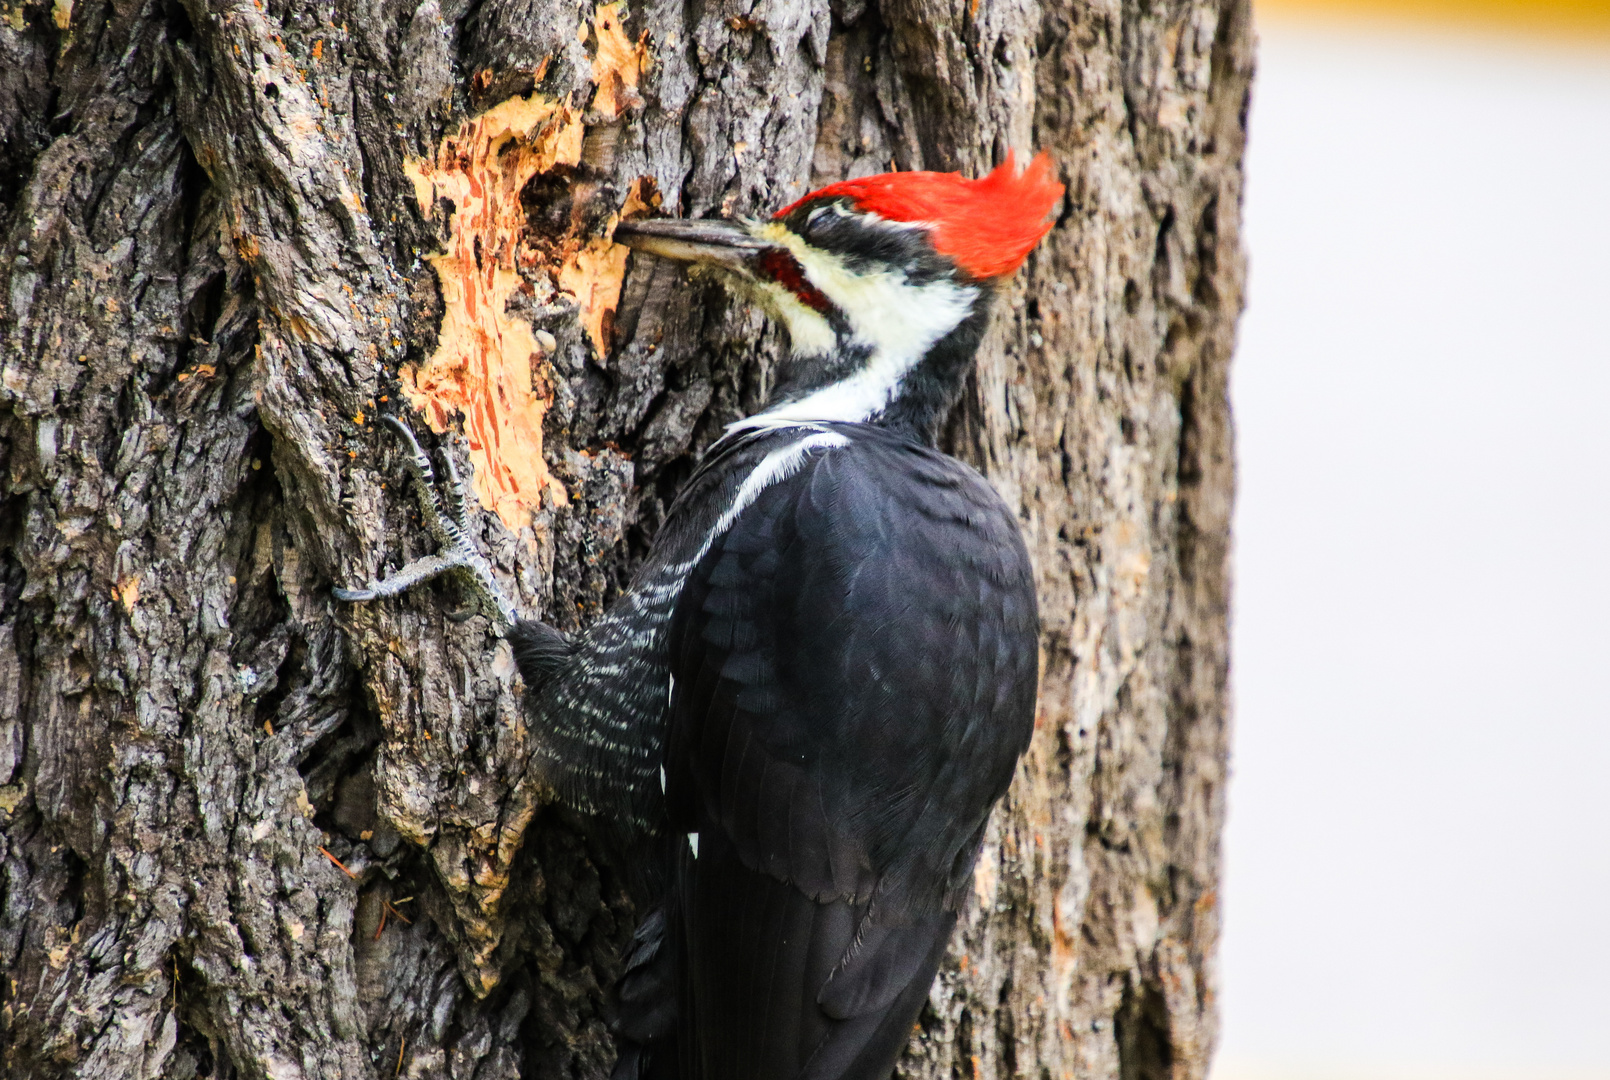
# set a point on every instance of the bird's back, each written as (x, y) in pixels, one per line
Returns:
(852, 664)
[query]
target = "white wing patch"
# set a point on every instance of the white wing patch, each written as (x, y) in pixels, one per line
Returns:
(776, 466)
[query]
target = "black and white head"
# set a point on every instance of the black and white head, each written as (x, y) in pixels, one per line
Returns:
(883, 284)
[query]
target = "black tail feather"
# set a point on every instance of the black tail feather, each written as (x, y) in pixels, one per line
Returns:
(762, 956)
(540, 651)
(646, 1002)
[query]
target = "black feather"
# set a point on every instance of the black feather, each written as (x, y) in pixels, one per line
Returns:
(855, 664)
(540, 652)
(835, 682)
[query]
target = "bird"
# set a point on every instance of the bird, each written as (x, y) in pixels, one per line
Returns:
(819, 683)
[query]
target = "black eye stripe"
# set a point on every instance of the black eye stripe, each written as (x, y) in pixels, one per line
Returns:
(866, 245)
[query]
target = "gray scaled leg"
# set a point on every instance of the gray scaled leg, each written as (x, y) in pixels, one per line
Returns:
(451, 529)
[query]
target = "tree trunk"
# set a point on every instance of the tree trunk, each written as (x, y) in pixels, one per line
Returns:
(251, 831)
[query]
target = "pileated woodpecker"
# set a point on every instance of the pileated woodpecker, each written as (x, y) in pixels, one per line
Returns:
(820, 681)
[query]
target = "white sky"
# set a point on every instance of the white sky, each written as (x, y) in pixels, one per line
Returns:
(1418, 854)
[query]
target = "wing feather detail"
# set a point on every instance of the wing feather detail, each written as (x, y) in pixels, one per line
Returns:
(855, 667)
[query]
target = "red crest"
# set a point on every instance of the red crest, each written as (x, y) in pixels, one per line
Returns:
(987, 227)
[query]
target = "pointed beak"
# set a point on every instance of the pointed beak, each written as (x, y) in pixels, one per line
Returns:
(722, 244)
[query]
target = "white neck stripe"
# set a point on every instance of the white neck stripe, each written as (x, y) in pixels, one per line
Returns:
(895, 320)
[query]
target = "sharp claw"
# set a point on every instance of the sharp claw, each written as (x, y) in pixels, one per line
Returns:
(402, 429)
(458, 504)
(450, 527)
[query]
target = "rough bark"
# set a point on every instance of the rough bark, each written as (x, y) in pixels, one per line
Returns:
(248, 831)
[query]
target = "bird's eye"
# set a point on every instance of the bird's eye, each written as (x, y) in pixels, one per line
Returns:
(824, 220)
(781, 267)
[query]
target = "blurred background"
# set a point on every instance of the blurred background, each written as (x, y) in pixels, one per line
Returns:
(1418, 850)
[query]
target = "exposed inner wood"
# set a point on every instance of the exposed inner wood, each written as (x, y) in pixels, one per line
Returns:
(482, 368)
(618, 63)
(486, 371)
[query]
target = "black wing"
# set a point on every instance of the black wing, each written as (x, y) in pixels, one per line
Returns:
(855, 667)
(598, 701)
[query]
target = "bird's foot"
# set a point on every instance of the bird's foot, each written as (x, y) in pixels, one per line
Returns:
(451, 529)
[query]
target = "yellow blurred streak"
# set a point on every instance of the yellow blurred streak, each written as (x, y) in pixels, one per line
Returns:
(1575, 19)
